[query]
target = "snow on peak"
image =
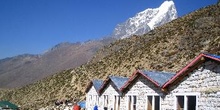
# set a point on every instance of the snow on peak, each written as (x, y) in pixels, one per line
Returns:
(167, 11)
(146, 20)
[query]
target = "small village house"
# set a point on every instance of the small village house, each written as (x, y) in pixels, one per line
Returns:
(142, 90)
(194, 87)
(92, 96)
(110, 93)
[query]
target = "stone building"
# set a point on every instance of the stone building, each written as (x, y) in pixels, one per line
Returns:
(111, 94)
(142, 90)
(92, 96)
(194, 87)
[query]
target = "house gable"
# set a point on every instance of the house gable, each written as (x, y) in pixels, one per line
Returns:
(198, 83)
(94, 83)
(189, 68)
(110, 94)
(92, 96)
(154, 77)
(204, 79)
(142, 85)
(114, 82)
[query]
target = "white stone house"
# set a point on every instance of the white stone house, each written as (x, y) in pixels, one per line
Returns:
(142, 90)
(110, 93)
(92, 96)
(195, 87)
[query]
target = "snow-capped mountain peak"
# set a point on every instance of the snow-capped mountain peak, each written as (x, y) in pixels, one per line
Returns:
(146, 20)
(166, 12)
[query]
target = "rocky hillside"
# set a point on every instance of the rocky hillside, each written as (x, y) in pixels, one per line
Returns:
(25, 69)
(168, 48)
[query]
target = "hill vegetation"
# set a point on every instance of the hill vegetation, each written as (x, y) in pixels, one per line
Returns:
(166, 48)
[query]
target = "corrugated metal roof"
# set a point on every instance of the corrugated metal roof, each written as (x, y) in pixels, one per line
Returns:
(118, 81)
(97, 84)
(7, 104)
(213, 55)
(159, 77)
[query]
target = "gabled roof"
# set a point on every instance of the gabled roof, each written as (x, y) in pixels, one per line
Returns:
(7, 104)
(156, 77)
(213, 56)
(190, 67)
(118, 81)
(159, 77)
(96, 83)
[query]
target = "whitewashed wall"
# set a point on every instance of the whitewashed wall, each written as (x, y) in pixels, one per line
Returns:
(141, 88)
(92, 98)
(109, 91)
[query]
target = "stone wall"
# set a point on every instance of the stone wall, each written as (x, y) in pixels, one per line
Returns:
(203, 82)
(109, 91)
(91, 98)
(142, 88)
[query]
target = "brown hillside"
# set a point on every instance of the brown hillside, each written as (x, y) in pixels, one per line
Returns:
(25, 69)
(167, 48)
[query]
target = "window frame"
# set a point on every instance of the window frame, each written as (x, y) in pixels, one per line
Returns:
(117, 102)
(132, 104)
(153, 101)
(106, 100)
(185, 95)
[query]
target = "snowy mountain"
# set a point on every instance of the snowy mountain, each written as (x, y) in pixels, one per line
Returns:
(146, 20)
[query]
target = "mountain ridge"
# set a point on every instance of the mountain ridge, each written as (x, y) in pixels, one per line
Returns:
(25, 69)
(67, 55)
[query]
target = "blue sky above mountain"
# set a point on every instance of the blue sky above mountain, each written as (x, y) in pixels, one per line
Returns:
(33, 26)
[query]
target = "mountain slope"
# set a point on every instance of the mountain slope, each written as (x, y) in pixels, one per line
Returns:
(146, 20)
(168, 48)
(25, 69)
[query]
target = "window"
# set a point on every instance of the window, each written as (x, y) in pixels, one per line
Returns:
(117, 103)
(129, 102)
(153, 102)
(157, 103)
(191, 103)
(90, 100)
(105, 100)
(119, 99)
(180, 102)
(186, 102)
(94, 100)
(97, 100)
(132, 102)
(149, 103)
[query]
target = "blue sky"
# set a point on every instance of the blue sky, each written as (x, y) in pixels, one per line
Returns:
(33, 26)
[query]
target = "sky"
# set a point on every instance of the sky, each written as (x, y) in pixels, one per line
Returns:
(34, 26)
